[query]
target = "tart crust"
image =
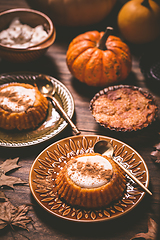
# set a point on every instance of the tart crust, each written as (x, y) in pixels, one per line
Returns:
(30, 116)
(124, 108)
(96, 197)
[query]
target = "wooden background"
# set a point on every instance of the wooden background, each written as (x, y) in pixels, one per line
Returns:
(53, 63)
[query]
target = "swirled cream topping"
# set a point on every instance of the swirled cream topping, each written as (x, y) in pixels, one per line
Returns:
(20, 35)
(16, 98)
(90, 171)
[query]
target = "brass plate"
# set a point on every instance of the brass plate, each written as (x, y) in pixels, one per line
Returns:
(52, 125)
(49, 162)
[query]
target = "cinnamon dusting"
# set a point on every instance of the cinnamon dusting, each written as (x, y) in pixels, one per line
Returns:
(94, 170)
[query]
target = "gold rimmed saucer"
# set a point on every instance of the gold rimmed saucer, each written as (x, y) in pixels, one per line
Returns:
(49, 162)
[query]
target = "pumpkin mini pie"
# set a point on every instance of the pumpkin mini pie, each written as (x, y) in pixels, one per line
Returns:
(124, 108)
(22, 106)
(90, 180)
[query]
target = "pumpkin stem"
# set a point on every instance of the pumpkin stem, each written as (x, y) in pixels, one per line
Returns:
(101, 45)
(145, 3)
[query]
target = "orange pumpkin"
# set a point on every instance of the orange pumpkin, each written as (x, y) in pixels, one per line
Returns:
(99, 59)
(74, 12)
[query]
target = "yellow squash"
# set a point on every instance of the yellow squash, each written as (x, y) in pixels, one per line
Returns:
(139, 21)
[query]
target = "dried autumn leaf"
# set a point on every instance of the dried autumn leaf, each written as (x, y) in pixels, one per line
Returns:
(157, 146)
(152, 231)
(13, 216)
(156, 153)
(9, 165)
(156, 156)
(5, 167)
(10, 181)
(2, 197)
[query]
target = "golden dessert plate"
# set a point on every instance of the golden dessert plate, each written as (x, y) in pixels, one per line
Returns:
(49, 162)
(53, 123)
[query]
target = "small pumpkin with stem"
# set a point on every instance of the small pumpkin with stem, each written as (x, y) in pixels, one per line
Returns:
(99, 59)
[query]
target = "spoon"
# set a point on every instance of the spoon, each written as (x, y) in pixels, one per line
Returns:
(47, 88)
(106, 149)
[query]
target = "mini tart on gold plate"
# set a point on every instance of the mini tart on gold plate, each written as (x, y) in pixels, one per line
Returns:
(124, 108)
(22, 106)
(90, 180)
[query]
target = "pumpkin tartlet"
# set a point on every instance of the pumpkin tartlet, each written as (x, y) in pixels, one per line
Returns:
(91, 181)
(22, 106)
(124, 108)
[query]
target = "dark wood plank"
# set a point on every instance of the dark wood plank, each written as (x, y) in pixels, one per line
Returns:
(50, 227)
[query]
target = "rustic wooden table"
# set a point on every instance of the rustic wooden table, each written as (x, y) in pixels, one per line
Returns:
(47, 226)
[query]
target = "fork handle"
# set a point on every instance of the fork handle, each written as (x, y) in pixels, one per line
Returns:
(133, 177)
(64, 115)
